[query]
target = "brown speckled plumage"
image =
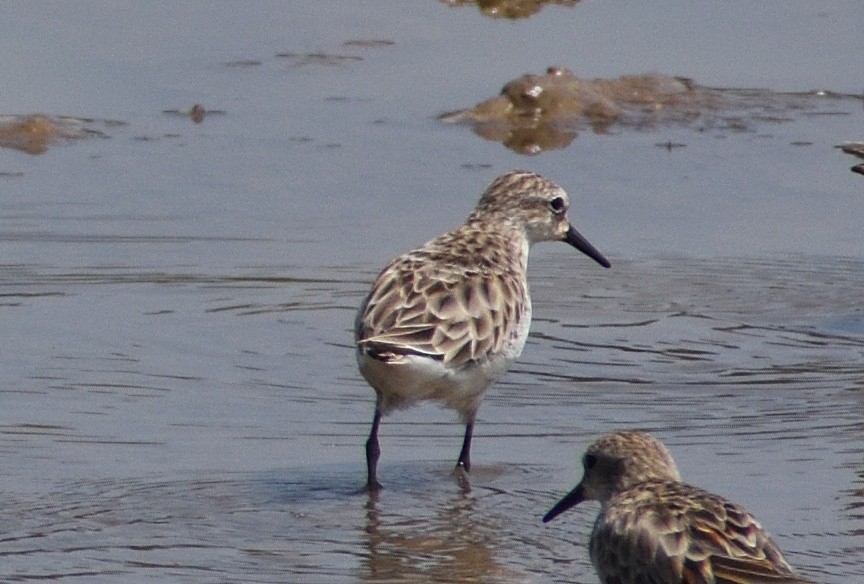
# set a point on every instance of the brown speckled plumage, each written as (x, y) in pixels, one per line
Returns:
(439, 302)
(654, 528)
(444, 321)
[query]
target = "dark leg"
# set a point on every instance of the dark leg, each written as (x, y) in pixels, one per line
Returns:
(465, 454)
(373, 451)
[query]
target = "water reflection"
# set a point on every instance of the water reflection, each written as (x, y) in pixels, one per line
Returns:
(446, 546)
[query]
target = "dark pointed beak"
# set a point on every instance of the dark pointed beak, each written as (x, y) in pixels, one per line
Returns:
(575, 239)
(571, 499)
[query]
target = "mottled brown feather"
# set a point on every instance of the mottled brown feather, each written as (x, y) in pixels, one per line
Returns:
(654, 528)
(456, 319)
(469, 285)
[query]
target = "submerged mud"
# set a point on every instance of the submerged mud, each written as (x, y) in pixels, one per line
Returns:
(510, 9)
(534, 113)
(35, 133)
(855, 149)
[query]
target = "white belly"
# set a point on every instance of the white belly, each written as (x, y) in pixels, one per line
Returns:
(414, 378)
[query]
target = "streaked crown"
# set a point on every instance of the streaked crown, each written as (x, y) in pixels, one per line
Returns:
(621, 460)
(527, 201)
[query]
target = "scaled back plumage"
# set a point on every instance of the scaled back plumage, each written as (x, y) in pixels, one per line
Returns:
(654, 528)
(463, 295)
(439, 302)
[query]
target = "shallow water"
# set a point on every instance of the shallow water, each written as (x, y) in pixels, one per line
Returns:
(178, 394)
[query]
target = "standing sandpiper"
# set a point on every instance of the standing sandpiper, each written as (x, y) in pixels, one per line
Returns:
(654, 528)
(444, 321)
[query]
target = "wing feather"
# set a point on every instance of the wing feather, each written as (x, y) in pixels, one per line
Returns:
(671, 533)
(445, 314)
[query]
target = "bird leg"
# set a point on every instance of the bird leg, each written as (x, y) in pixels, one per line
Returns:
(373, 452)
(464, 461)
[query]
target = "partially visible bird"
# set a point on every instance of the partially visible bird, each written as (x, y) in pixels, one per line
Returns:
(653, 528)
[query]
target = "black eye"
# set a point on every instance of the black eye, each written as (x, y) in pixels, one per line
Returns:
(588, 461)
(557, 204)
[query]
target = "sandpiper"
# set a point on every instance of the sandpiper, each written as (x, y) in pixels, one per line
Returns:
(444, 321)
(654, 528)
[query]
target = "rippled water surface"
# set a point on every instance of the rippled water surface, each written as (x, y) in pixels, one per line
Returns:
(179, 400)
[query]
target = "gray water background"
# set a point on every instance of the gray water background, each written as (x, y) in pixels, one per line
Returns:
(179, 400)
